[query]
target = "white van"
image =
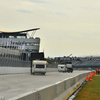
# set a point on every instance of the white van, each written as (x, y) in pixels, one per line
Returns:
(62, 68)
(39, 66)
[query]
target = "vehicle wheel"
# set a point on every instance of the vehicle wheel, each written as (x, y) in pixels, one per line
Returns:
(33, 73)
(43, 73)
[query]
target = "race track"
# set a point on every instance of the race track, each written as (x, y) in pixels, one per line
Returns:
(16, 84)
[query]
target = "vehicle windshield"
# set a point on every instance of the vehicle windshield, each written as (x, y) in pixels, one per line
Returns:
(68, 62)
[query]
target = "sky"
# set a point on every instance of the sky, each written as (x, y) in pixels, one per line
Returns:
(66, 26)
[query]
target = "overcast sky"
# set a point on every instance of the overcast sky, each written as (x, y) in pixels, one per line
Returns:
(66, 26)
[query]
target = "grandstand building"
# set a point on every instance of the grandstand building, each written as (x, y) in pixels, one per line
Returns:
(92, 62)
(20, 40)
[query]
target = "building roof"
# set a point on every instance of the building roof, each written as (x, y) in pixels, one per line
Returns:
(20, 31)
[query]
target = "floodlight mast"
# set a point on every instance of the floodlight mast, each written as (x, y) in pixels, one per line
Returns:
(69, 55)
(64, 60)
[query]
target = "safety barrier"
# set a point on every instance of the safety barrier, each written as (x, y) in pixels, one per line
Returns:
(59, 91)
(20, 70)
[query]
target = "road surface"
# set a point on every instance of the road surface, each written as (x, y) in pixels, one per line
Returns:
(16, 84)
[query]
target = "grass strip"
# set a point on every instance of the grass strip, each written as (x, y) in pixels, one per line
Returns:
(91, 90)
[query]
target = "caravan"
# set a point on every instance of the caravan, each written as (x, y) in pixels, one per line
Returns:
(62, 68)
(38, 66)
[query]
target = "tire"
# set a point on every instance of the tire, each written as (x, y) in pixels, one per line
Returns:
(43, 73)
(31, 72)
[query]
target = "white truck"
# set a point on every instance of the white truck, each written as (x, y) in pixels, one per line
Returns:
(65, 67)
(39, 66)
(69, 66)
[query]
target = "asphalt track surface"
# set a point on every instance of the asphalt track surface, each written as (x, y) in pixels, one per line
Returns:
(16, 84)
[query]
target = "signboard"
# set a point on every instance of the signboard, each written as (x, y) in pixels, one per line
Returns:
(39, 56)
(79, 58)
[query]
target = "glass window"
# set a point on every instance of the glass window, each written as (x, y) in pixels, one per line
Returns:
(31, 44)
(68, 62)
(21, 37)
(11, 37)
(40, 66)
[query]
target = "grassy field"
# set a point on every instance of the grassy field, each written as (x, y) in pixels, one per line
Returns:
(91, 90)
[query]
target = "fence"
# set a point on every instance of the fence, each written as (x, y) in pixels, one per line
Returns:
(12, 58)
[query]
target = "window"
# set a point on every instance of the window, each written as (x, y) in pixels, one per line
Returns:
(11, 37)
(31, 44)
(21, 37)
(68, 62)
(40, 66)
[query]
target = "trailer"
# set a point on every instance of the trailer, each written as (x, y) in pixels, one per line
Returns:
(39, 66)
(62, 68)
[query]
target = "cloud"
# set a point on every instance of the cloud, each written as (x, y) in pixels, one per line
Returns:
(89, 8)
(58, 13)
(24, 11)
(98, 8)
(85, 7)
(38, 1)
(67, 26)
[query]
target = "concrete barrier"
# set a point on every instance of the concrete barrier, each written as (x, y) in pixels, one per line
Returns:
(59, 91)
(44, 93)
(74, 84)
(20, 70)
(13, 70)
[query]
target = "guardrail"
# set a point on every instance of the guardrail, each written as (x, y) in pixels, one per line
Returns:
(59, 91)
